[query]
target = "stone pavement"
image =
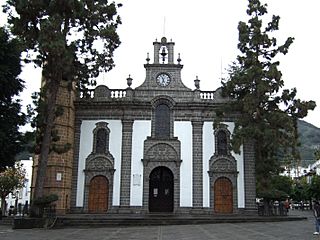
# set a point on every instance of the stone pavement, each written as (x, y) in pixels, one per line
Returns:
(287, 230)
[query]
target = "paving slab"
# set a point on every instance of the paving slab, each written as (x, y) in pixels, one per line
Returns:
(285, 230)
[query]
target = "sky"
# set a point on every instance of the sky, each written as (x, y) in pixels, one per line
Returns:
(206, 36)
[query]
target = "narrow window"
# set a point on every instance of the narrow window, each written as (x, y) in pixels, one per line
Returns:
(101, 141)
(162, 121)
(222, 143)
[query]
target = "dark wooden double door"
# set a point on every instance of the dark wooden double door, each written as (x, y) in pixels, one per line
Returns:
(161, 195)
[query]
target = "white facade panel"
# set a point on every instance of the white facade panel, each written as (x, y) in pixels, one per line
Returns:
(141, 129)
(183, 130)
(86, 147)
(208, 151)
(240, 167)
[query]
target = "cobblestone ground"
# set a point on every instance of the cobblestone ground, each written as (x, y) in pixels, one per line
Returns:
(294, 230)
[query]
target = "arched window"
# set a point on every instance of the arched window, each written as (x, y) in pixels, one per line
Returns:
(101, 142)
(222, 143)
(162, 121)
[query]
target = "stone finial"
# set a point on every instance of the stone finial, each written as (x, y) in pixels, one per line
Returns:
(179, 59)
(197, 83)
(129, 81)
(148, 58)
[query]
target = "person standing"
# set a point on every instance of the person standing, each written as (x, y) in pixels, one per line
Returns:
(316, 211)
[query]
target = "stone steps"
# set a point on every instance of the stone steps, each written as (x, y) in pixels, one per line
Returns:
(6, 221)
(112, 221)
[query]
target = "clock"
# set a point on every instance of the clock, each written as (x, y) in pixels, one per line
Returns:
(163, 79)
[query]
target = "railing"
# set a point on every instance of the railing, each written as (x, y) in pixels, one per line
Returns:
(118, 93)
(86, 94)
(111, 93)
(105, 93)
(207, 95)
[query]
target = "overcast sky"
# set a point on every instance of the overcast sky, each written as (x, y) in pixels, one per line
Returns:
(205, 34)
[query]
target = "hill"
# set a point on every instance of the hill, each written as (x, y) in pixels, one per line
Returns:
(309, 136)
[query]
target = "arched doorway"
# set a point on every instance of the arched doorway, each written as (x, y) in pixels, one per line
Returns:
(98, 194)
(223, 196)
(161, 190)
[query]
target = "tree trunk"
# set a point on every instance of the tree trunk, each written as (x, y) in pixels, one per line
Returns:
(3, 205)
(51, 95)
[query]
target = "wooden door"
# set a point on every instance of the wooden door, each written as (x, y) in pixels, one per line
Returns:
(161, 190)
(98, 194)
(223, 196)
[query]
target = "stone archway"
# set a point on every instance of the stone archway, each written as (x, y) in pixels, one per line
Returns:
(161, 190)
(98, 194)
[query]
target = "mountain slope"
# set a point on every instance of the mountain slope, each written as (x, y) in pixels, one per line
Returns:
(309, 136)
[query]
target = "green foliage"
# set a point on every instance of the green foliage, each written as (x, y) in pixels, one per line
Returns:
(268, 116)
(45, 200)
(282, 183)
(37, 120)
(11, 116)
(315, 187)
(317, 153)
(76, 38)
(273, 194)
(72, 41)
(10, 179)
(301, 191)
(280, 189)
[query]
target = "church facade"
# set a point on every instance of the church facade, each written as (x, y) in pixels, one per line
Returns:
(152, 149)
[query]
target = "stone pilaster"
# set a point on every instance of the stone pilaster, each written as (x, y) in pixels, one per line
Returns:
(74, 182)
(126, 156)
(249, 176)
(197, 164)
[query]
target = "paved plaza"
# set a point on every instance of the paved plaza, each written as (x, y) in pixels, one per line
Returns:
(287, 230)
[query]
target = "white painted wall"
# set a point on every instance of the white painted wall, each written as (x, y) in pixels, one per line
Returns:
(141, 129)
(240, 168)
(208, 151)
(183, 130)
(86, 146)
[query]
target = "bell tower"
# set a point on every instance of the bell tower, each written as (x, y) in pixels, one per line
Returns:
(164, 73)
(163, 52)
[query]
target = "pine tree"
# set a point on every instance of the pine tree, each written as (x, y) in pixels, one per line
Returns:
(72, 41)
(11, 116)
(267, 113)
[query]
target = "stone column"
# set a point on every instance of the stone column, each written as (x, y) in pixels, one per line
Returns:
(126, 156)
(74, 183)
(197, 165)
(249, 177)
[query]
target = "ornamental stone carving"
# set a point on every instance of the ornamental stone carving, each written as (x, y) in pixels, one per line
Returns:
(223, 165)
(99, 163)
(162, 152)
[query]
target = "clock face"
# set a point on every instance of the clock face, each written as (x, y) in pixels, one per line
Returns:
(163, 79)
